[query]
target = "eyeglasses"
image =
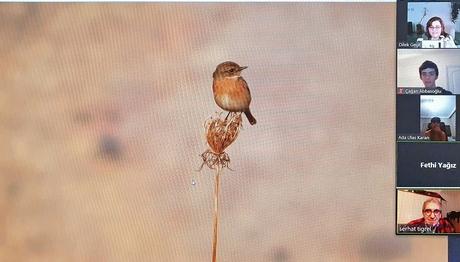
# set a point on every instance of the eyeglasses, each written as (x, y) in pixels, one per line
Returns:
(435, 27)
(428, 212)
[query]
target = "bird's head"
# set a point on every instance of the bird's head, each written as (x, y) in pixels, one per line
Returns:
(228, 69)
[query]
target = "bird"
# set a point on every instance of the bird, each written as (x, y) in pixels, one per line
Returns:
(231, 92)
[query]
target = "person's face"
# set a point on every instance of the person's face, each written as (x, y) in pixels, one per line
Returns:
(431, 213)
(435, 125)
(435, 30)
(428, 77)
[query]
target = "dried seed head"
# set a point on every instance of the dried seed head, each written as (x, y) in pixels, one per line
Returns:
(213, 160)
(220, 133)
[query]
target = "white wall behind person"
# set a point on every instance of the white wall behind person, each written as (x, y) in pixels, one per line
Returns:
(453, 200)
(415, 12)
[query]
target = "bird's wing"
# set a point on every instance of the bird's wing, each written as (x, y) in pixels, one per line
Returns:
(243, 84)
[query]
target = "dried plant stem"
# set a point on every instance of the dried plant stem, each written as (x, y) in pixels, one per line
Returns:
(216, 214)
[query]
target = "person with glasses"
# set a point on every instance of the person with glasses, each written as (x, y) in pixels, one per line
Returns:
(435, 30)
(429, 73)
(432, 218)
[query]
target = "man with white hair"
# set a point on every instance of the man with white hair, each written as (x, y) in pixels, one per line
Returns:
(432, 218)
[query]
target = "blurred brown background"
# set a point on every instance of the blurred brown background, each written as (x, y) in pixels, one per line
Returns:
(101, 125)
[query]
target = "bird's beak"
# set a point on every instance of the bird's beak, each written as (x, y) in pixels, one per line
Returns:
(242, 68)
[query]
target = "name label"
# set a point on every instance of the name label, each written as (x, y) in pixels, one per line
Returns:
(438, 165)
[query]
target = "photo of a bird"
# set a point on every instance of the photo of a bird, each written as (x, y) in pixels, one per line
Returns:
(231, 92)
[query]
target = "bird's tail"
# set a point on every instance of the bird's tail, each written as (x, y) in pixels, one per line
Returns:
(250, 117)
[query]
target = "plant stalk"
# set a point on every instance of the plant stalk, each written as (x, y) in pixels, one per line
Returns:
(216, 215)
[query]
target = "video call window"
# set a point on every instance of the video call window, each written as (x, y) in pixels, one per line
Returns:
(426, 118)
(428, 211)
(432, 25)
(428, 92)
(438, 117)
(436, 71)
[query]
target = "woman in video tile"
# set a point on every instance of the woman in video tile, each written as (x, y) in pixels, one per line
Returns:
(435, 30)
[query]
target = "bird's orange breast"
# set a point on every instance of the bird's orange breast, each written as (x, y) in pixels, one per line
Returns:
(231, 94)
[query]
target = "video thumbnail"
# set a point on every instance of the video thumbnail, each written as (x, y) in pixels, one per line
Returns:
(428, 72)
(431, 25)
(438, 117)
(428, 211)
